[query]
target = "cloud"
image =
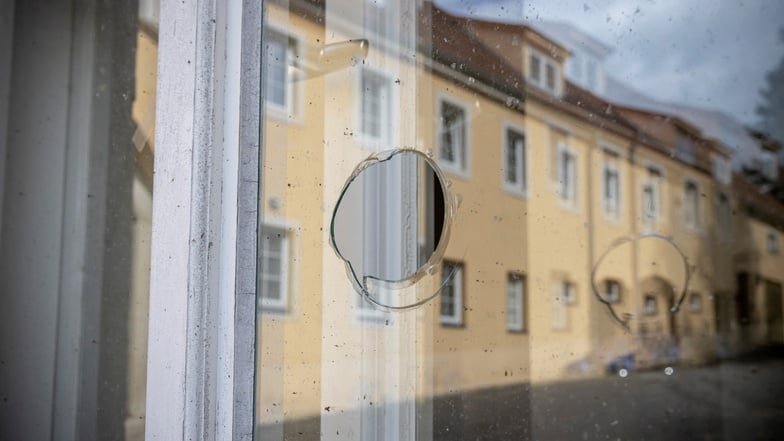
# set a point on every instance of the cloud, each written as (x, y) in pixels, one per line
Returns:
(709, 54)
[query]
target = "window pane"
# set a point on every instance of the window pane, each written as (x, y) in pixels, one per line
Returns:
(580, 202)
(78, 89)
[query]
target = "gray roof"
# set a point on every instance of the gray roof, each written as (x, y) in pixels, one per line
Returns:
(571, 37)
(714, 124)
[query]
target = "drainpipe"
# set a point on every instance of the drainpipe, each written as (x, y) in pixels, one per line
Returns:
(634, 222)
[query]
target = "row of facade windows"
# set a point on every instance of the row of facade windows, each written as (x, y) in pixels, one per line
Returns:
(452, 138)
(273, 277)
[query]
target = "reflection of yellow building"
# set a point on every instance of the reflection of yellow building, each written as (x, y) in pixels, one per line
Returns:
(550, 177)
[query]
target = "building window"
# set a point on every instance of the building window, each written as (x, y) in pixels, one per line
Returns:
(592, 74)
(452, 294)
(576, 66)
(280, 53)
(375, 105)
(515, 303)
(274, 265)
(724, 216)
(566, 174)
(684, 149)
(651, 195)
(543, 73)
(695, 302)
(772, 242)
(535, 68)
(612, 291)
(691, 204)
(515, 161)
(564, 295)
(452, 143)
(649, 306)
(722, 170)
(550, 77)
(611, 186)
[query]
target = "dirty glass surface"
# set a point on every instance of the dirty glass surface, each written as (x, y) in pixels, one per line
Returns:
(77, 113)
(511, 220)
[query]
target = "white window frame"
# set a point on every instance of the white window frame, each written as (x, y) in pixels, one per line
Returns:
(515, 296)
(519, 188)
(541, 82)
(656, 216)
(287, 110)
(691, 208)
(203, 272)
(695, 306)
(564, 295)
(280, 304)
(460, 166)
(566, 181)
(722, 170)
(456, 318)
(388, 118)
(650, 305)
(610, 164)
(612, 295)
(724, 216)
(772, 242)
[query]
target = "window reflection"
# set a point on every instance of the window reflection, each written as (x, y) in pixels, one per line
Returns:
(545, 184)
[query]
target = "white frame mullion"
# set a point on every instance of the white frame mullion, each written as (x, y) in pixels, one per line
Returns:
(203, 279)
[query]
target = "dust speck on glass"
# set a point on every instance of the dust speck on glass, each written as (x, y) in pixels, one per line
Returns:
(521, 220)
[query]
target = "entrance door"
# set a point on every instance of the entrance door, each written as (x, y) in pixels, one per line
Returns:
(773, 305)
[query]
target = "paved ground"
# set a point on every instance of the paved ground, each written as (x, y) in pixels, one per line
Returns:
(741, 399)
(736, 400)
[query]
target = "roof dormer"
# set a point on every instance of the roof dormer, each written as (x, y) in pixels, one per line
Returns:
(539, 58)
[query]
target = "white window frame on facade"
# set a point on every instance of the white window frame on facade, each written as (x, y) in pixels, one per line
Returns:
(611, 201)
(695, 302)
(541, 80)
(691, 208)
(723, 216)
(563, 296)
(612, 291)
(566, 181)
(515, 302)
(519, 188)
(385, 139)
(460, 165)
(289, 108)
(685, 149)
(722, 169)
(454, 270)
(650, 305)
(279, 304)
(654, 178)
(772, 242)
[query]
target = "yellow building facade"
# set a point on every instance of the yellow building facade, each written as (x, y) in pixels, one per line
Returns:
(574, 220)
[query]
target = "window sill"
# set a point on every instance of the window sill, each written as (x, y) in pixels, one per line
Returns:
(452, 324)
(454, 171)
(518, 331)
(514, 192)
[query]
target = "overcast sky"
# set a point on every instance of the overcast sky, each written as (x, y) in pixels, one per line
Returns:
(705, 53)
